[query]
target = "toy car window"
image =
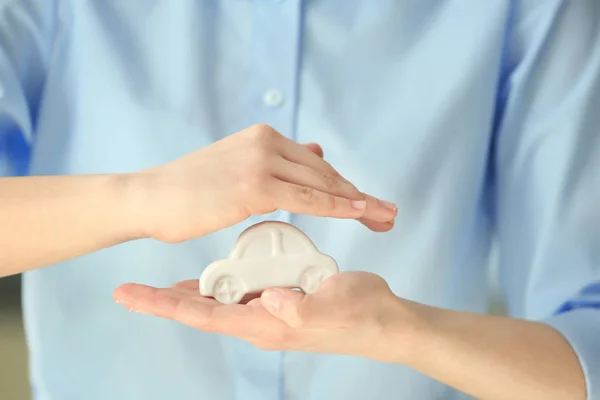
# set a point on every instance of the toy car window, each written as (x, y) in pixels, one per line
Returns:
(258, 247)
(292, 243)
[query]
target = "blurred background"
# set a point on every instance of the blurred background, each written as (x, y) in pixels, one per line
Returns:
(14, 384)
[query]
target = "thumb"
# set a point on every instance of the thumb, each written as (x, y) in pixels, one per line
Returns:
(315, 148)
(283, 304)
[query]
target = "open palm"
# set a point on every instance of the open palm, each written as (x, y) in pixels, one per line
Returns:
(346, 315)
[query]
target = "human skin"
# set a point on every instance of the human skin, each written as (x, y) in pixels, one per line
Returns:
(45, 220)
(356, 313)
(48, 219)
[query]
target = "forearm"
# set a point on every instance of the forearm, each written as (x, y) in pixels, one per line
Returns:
(493, 357)
(44, 220)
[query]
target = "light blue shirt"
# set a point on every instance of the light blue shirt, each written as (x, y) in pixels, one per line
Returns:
(476, 117)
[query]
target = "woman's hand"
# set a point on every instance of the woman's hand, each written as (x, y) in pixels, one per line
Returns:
(253, 172)
(356, 314)
(48, 219)
(349, 313)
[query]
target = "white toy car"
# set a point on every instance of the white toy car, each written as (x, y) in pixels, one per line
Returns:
(268, 254)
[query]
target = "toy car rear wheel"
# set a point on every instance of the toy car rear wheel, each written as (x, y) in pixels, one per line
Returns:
(228, 289)
(311, 278)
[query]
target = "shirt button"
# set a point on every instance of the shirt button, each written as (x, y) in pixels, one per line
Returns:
(273, 98)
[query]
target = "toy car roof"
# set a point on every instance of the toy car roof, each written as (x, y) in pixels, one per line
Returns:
(272, 228)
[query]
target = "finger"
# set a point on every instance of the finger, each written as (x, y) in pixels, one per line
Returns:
(377, 226)
(169, 304)
(192, 288)
(305, 200)
(130, 293)
(189, 288)
(192, 294)
(379, 210)
(150, 300)
(283, 304)
(315, 148)
(308, 177)
(305, 155)
(198, 312)
(189, 284)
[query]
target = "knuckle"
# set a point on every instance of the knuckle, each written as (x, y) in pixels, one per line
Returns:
(329, 203)
(330, 181)
(259, 155)
(263, 134)
(313, 198)
(332, 203)
(306, 194)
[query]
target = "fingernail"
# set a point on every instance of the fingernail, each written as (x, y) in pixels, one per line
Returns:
(128, 306)
(388, 205)
(359, 204)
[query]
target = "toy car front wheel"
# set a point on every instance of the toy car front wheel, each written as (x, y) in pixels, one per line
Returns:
(228, 289)
(311, 278)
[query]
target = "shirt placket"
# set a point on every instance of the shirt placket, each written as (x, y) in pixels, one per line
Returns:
(273, 92)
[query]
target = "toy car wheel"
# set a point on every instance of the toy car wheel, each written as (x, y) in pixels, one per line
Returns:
(311, 278)
(228, 289)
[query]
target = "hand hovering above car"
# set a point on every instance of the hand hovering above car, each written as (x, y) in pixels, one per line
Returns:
(253, 172)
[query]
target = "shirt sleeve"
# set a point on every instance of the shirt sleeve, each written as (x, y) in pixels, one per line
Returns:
(26, 38)
(546, 172)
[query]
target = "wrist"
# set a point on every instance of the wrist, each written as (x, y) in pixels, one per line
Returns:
(406, 329)
(130, 194)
